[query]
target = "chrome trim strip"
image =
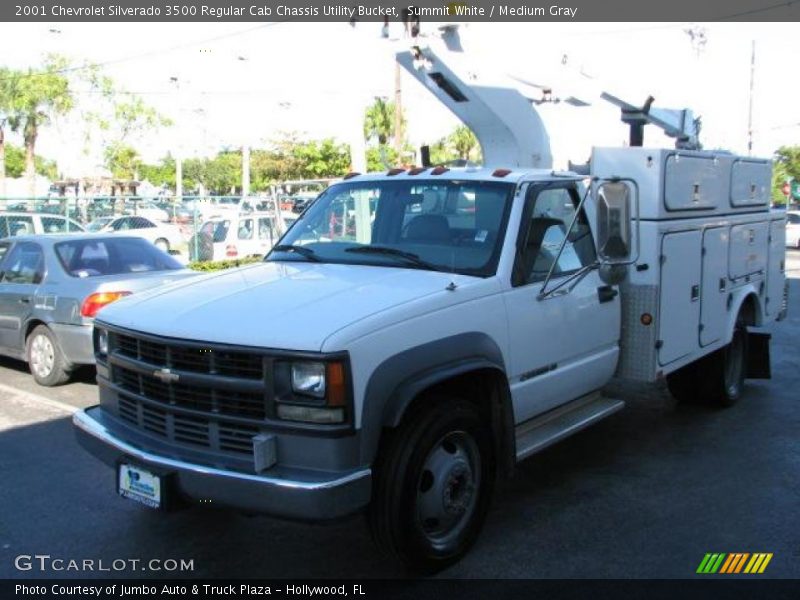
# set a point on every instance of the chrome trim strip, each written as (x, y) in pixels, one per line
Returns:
(86, 423)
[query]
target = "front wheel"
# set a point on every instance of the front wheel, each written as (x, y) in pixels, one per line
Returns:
(433, 485)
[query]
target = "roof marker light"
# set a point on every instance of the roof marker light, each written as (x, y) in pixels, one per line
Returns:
(501, 172)
(417, 170)
(351, 175)
(396, 171)
(440, 170)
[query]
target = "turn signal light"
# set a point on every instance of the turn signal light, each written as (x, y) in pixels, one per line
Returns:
(98, 300)
(231, 251)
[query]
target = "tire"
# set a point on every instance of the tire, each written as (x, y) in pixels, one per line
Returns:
(162, 245)
(45, 359)
(433, 485)
(683, 384)
(723, 382)
(716, 379)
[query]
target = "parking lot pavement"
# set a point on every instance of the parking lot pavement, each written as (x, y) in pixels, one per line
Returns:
(645, 493)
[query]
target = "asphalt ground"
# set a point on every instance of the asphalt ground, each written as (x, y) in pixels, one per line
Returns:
(646, 493)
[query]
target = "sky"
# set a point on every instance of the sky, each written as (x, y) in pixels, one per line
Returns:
(247, 83)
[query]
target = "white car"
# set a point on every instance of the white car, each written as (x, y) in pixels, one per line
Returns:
(26, 223)
(793, 229)
(165, 236)
(236, 236)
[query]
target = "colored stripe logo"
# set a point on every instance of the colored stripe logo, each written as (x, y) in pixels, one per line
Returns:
(733, 563)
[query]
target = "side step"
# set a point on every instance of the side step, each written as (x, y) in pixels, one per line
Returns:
(547, 429)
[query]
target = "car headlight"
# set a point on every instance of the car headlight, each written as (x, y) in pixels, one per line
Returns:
(308, 378)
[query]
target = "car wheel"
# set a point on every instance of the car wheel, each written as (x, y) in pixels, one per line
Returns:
(433, 485)
(162, 245)
(45, 360)
(727, 367)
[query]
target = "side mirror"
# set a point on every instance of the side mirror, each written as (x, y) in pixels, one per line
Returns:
(617, 206)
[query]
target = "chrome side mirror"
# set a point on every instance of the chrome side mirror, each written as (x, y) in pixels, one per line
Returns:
(617, 211)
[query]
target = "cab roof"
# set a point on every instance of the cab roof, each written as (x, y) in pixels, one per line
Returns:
(462, 174)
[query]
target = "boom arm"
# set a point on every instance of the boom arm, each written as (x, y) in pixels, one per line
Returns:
(508, 128)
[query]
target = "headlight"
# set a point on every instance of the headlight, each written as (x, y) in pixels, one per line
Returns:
(308, 378)
(101, 342)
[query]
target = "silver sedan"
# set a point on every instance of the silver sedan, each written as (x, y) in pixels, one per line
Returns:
(52, 286)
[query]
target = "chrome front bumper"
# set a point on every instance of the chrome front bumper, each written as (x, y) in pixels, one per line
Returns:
(317, 497)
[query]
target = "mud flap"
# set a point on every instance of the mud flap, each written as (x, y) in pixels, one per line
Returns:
(758, 363)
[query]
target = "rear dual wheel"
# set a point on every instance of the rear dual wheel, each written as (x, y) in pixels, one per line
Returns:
(433, 485)
(716, 379)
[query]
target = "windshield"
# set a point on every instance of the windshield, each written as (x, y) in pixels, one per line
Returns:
(112, 256)
(453, 226)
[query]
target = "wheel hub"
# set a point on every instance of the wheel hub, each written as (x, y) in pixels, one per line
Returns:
(458, 489)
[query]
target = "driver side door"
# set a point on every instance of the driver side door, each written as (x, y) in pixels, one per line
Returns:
(565, 344)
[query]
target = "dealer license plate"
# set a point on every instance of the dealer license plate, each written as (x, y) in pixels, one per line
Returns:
(140, 485)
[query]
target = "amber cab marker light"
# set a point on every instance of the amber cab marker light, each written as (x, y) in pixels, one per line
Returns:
(439, 170)
(501, 172)
(335, 381)
(396, 171)
(98, 300)
(351, 175)
(646, 318)
(417, 170)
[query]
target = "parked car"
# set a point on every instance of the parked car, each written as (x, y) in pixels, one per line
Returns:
(236, 236)
(99, 223)
(146, 209)
(25, 223)
(165, 236)
(52, 286)
(302, 201)
(793, 229)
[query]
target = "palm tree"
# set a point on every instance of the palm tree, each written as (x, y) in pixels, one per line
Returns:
(32, 98)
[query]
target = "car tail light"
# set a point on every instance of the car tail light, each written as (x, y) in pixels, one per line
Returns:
(98, 300)
(231, 251)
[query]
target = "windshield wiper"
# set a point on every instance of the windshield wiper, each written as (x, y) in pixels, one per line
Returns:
(387, 251)
(301, 250)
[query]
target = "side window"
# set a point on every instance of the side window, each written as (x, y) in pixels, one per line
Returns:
(142, 223)
(121, 224)
(20, 226)
(552, 214)
(24, 264)
(54, 225)
(246, 229)
(793, 219)
(3, 227)
(3, 250)
(266, 229)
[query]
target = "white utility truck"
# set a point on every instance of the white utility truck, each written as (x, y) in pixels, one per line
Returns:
(417, 332)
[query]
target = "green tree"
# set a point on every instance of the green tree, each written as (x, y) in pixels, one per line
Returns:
(122, 160)
(15, 163)
(379, 129)
(31, 99)
(323, 158)
(785, 168)
(460, 144)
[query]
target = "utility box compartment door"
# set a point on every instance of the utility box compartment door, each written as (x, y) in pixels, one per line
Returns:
(680, 295)
(748, 249)
(714, 295)
(692, 183)
(776, 276)
(751, 183)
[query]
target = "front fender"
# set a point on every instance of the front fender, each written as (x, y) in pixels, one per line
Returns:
(395, 383)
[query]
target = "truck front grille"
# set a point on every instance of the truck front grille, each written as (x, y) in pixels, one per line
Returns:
(202, 403)
(195, 431)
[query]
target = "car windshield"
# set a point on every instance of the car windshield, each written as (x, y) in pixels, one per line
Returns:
(112, 256)
(453, 226)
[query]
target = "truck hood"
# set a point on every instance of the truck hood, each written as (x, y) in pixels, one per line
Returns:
(287, 305)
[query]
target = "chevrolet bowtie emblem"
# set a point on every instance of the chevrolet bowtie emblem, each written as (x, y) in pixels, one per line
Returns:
(166, 376)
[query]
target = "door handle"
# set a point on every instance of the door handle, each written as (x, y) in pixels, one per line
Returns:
(606, 293)
(24, 300)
